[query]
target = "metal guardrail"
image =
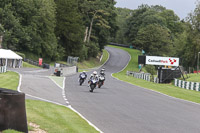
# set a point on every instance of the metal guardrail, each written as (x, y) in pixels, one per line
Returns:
(121, 45)
(144, 76)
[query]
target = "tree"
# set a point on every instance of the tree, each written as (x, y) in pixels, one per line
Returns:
(69, 27)
(99, 17)
(29, 26)
(122, 15)
(154, 40)
(161, 20)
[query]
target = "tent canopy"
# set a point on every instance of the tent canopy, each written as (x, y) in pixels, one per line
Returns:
(8, 54)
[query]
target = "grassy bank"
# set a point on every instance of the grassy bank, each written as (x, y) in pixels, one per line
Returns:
(93, 62)
(56, 119)
(9, 80)
(50, 117)
(27, 65)
(167, 89)
(193, 77)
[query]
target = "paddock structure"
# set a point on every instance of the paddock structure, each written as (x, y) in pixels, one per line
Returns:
(8, 58)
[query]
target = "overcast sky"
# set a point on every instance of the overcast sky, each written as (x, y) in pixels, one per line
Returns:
(180, 7)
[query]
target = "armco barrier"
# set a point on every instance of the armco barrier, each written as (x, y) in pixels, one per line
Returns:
(3, 69)
(145, 76)
(12, 111)
(187, 85)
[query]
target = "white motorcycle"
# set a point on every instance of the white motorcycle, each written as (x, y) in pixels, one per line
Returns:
(93, 84)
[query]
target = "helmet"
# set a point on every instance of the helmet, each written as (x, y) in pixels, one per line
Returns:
(95, 72)
(83, 71)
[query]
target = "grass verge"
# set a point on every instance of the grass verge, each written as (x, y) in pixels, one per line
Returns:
(58, 80)
(56, 119)
(93, 62)
(9, 80)
(167, 89)
(51, 118)
(27, 65)
(193, 77)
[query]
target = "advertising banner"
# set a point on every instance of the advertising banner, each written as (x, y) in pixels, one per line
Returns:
(40, 61)
(166, 61)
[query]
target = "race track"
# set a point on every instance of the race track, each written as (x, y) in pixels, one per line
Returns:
(119, 107)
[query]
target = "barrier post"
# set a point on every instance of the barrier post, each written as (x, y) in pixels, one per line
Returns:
(12, 110)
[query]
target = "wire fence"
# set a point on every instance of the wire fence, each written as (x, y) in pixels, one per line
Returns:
(72, 61)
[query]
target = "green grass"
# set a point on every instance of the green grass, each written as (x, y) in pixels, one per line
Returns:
(93, 62)
(56, 119)
(11, 131)
(9, 80)
(51, 118)
(193, 77)
(58, 80)
(27, 65)
(168, 89)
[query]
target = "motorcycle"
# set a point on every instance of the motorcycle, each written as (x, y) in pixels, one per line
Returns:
(101, 81)
(93, 84)
(82, 79)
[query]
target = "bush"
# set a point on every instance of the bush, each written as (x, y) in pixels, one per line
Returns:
(84, 53)
(150, 69)
(21, 54)
(93, 50)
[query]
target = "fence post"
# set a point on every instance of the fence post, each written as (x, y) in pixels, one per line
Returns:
(179, 83)
(175, 82)
(197, 86)
(192, 85)
(183, 83)
(188, 85)
(12, 111)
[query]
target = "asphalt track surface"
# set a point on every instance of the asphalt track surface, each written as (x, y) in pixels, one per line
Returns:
(117, 107)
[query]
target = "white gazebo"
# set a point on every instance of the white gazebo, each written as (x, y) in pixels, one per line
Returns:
(8, 58)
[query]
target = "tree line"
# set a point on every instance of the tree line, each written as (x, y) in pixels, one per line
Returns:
(160, 32)
(55, 29)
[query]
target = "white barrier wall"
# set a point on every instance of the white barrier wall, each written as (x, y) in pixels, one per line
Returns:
(68, 70)
(187, 85)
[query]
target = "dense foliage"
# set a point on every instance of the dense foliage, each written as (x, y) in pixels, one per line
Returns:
(160, 32)
(55, 29)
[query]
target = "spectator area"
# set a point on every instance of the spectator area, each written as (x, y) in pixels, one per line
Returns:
(8, 58)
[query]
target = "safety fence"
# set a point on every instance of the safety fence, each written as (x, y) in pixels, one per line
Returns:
(187, 84)
(155, 79)
(36, 63)
(3, 69)
(145, 76)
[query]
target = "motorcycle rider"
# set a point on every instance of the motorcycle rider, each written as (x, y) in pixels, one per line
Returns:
(93, 76)
(102, 71)
(102, 74)
(83, 73)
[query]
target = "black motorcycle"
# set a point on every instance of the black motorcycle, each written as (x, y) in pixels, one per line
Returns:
(82, 79)
(101, 81)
